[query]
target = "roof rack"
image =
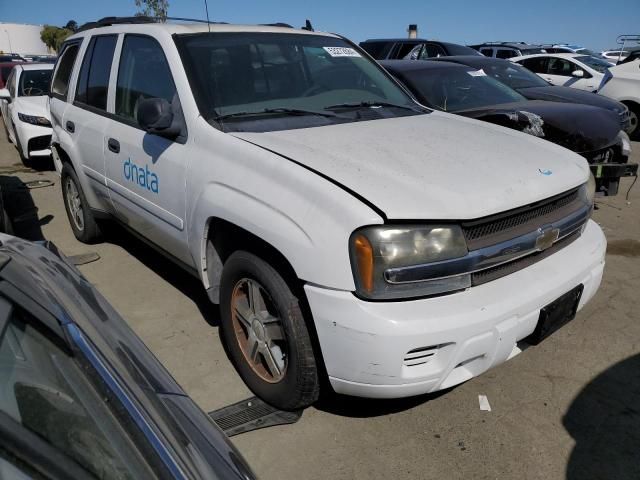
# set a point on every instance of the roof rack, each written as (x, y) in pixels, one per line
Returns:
(140, 19)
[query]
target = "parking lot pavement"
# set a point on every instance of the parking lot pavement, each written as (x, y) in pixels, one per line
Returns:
(568, 408)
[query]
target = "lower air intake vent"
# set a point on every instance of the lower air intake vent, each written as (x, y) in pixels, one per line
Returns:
(420, 356)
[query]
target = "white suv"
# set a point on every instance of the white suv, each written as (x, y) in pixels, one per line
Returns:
(346, 231)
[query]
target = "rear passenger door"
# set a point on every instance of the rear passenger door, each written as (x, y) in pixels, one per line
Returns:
(86, 120)
(145, 172)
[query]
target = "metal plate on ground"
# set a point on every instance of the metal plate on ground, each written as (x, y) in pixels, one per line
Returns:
(251, 414)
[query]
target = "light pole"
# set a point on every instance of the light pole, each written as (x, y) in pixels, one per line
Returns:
(9, 38)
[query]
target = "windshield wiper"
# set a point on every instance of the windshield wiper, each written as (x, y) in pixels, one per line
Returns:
(369, 105)
(268, 111)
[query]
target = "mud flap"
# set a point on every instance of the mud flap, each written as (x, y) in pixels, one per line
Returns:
(251, 414)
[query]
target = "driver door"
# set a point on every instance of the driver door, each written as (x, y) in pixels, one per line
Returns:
(146, 173)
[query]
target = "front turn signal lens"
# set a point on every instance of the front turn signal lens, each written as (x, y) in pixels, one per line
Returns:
(364, 260)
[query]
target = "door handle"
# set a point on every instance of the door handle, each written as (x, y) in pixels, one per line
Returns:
(114, 145)
(71, 127)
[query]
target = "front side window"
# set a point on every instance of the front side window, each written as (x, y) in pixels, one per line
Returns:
(242, 74)
(60, 84)
(487, 52)
(143, 73)
(93, 81)
(44, 390)
(560, 66)
(34, 83)
(431, 50)
(4, 73)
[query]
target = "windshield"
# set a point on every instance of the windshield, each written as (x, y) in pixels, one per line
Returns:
(514, 75)
(34, 83)
(597, 64)
(235, 76)
(457, 89)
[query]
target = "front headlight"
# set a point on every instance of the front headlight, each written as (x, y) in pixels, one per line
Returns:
(625, 143)
(34, 120)
(382, 257)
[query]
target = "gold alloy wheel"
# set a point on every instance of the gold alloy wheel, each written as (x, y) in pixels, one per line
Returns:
(258, 330)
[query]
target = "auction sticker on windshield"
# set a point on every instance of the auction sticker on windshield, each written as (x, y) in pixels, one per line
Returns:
(341, 52)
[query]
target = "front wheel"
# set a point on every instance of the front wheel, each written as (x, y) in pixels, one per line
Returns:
(83, 223)
(265, 333)
(634, 129)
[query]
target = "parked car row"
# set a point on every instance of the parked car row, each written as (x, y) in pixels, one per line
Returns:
(354, 235)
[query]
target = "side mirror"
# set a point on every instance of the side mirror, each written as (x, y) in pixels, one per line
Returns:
(155, 116)
(577, 73)
(4, 94)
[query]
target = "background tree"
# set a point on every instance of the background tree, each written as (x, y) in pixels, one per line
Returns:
(153, 8)
(53, 36)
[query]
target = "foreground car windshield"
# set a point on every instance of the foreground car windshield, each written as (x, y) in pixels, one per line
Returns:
(458, 89)
(235, 76)
(34, 83)
(514, 75)
(595, 63)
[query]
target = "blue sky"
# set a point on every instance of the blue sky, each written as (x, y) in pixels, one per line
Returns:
(594, 24)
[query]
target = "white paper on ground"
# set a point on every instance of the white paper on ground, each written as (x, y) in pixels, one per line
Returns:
(484, 403)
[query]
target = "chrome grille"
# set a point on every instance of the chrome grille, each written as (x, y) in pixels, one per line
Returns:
(491, 230)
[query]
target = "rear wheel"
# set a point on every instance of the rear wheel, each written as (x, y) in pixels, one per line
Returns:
(83, 224)
(265, 333)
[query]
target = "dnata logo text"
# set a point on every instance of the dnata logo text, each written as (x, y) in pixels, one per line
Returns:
(141, 176)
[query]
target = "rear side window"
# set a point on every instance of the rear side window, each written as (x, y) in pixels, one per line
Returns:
(143, 73)
(60, 84)
(487, 52)
(93, 81)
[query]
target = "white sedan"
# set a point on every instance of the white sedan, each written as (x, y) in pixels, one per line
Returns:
(567, 69)
(23, 103)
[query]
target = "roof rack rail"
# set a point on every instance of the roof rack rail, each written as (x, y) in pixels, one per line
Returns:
(276, 24)
(138, 19)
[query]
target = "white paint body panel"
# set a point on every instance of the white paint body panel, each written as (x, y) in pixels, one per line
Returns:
(305, 191)
(364, 343)
(624, 85)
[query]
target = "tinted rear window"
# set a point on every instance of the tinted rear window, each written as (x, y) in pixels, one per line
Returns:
(93, 81)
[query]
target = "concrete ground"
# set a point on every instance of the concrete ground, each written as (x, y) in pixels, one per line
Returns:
(569, 408)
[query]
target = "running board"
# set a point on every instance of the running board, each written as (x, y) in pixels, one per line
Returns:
(251, 414)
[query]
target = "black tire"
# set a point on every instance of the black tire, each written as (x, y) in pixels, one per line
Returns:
(87, 229)
(299, 386)
(634, 111)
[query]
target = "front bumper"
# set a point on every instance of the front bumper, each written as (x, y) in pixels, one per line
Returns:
(35, 139)
(405, 348)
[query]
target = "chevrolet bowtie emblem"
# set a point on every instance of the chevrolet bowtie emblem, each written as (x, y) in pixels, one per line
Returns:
(547, 238)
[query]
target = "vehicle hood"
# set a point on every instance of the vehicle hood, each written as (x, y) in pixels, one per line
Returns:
(430, 167)
(36, 106)
(581, 128)
(571, 95)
